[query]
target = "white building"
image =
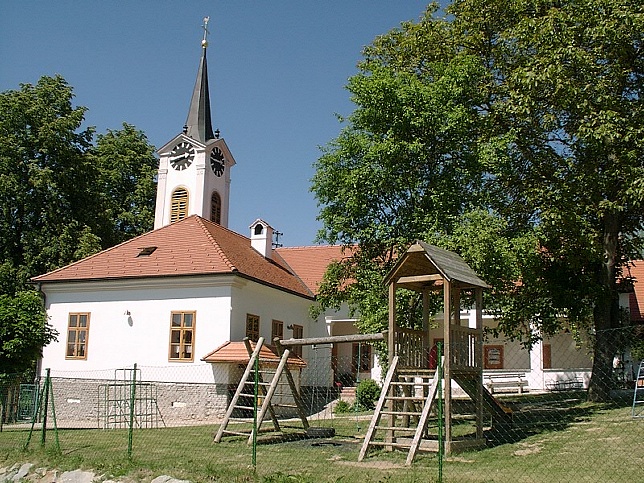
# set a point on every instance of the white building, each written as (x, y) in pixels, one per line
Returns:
(169, 298)
(173, 297)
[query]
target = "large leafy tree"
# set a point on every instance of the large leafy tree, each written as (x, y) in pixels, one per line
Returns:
(126, 183)
(45, 181)
(62, 198)
(23, 331)
(511, 133)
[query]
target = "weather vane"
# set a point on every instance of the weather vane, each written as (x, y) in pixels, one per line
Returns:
(204, 42)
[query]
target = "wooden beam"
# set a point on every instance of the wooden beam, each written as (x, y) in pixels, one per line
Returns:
(336, 339)
(420, 278)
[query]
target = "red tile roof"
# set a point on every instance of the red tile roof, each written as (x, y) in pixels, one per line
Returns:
(310, 263)
(636, 297)
(196, 246)
(192, 246)
(235, 352)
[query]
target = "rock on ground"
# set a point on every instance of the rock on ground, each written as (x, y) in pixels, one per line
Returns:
(21, 473)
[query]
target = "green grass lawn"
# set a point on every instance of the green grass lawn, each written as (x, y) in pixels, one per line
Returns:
(563, 439)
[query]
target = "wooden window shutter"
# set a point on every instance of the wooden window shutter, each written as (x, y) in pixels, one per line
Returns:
(179, 208)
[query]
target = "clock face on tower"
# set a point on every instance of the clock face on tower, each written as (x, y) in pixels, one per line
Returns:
(217, 161)
(182, 155)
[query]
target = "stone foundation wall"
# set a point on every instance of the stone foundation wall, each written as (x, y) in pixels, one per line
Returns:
(103, 403)
(100, 403)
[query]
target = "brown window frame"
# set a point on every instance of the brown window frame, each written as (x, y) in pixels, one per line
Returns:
(298, 333)
(487, 349)
(186, 336)
(546, 354)
(78, 344)
(215, 208)
(365, 357)
(277, 329)
(252, 327)
(180, 201)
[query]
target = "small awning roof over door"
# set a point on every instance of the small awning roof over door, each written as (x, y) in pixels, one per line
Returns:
(422, 265)
(235, 352)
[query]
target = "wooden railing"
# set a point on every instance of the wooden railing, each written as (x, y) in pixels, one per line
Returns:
(411, 348)
(465, 348)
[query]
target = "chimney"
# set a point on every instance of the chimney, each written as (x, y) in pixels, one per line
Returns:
(261, 238)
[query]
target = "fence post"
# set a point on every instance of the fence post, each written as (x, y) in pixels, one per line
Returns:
(131, 425)
(439, 392)
(43, 435)
(255, 393)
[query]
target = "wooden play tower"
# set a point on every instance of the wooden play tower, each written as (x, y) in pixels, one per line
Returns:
(409, 391)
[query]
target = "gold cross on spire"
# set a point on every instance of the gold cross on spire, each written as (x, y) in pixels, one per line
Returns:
(204, 42)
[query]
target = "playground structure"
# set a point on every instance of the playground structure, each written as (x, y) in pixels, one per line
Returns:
(263, 361)
(412, 385)
(128, 398)
(409, 391)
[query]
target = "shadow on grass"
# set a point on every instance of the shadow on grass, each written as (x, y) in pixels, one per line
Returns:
(542, 413)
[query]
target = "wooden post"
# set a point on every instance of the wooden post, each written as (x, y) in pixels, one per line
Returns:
(478, 361)
(426, 342)
(262, 388)
(391, 348)
(291, 382)
(333, 339)
(447, 373)
(391, 342)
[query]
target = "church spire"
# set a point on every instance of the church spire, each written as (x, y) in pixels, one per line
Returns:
(199, 125)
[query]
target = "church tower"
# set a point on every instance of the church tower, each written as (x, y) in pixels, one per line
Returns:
(194, 167)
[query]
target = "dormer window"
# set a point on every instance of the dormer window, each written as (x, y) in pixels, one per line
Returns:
(146, 252)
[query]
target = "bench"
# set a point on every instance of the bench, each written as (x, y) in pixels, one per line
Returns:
(505, 380)
(565, 385)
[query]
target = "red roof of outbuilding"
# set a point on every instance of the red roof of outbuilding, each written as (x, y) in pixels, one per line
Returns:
(310, 263)
(235, 352)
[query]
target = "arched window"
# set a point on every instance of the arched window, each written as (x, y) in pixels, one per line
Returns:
(215, 208)
(179, 208)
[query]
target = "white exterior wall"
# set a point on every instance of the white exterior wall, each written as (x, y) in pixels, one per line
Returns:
(116, 340)
(197, 178)
(270, 305)
(191, 178)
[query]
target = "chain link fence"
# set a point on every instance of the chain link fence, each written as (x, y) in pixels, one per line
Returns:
(141, 422)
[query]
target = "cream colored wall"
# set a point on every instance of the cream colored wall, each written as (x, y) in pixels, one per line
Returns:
(567, 354)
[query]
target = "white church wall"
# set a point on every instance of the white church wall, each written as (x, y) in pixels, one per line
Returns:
(130, 323)
(270, 304)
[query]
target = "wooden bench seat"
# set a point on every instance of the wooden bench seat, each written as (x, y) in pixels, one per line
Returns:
(565, 385)
(505, 381)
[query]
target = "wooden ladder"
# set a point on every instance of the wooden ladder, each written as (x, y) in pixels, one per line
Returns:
(397, 391)
(244, 397)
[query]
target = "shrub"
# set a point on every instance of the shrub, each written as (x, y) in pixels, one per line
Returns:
(367, 393)
(342, 407)
(637, 351)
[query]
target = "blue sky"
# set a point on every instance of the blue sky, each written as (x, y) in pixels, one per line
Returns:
(277, 71)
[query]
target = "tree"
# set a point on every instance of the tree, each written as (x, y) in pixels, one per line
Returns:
(534, 151)
(45, 180)
(126, 183)
(62, 199)
(24, 331)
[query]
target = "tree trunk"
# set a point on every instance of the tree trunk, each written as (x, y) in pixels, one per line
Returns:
(605, 347)
(606, 315)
